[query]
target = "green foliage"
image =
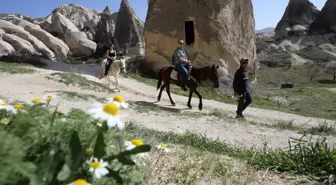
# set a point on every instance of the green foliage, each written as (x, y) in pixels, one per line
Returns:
(15, 68)
(309, 157)
(43, 148)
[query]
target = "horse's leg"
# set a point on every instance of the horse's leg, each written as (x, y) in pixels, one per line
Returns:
(190, 96)
(200, 105)
(168, 92)
(117, 83)
(160, 93)
(109, 80)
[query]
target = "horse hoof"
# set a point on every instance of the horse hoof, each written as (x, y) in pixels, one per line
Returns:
(200, 108)
(173, 104)
(190, 107)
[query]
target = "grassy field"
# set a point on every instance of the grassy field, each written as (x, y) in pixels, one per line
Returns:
(314, 100)
(15, 68)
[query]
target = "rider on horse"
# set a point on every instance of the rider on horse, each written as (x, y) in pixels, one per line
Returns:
(111, 55)
(182, 64)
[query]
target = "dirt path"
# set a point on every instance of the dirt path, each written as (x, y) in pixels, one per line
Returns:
(24, 87)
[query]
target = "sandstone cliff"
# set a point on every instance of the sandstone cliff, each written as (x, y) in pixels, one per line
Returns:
(219, 32)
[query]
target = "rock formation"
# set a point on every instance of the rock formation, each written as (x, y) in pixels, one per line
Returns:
(105, 29)
(70, 31)
(297, 18)
(129, 30)
(326, 20)
(83, 18)
(59, 25)
(216, 32)
(22, 33)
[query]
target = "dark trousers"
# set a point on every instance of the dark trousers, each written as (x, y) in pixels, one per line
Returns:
(244, 101)
(108, 65)
(183, 72)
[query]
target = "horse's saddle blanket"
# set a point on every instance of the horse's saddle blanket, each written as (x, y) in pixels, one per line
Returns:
(173, 74)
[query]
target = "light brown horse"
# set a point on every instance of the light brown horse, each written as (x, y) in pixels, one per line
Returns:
(197, 76)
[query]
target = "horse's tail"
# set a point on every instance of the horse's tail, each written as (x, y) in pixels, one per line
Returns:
(159, 83)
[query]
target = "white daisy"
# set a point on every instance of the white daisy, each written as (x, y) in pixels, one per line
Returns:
(163, 147)
(63, 119)
(17, 107)
(5, 121)
(108, 112)
(80, 182)
(134, 143)
(49, 97)
(119, 100)
(98, 168)
(4, 105)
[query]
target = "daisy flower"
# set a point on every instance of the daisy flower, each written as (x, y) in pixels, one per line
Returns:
(80, 182)
(119, 100)
(17, 107)
(5, 105)
(98, 168)
(36, 101)
(163, 147)
(108, 112)
(5, 121)
(49, 97)
(134, 143)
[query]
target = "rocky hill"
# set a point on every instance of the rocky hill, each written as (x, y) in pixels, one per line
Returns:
(69, 31)
(304, 34)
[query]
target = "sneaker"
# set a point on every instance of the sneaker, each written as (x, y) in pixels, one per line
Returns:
(240, 116)
(184, 88)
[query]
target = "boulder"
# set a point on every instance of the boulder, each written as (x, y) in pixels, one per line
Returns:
(56, 45)
(129, 30)
(19, 44)
(19, 31)
(215, 31)
(59, 25)
(5, 48)
(297, 18)
(83, 18)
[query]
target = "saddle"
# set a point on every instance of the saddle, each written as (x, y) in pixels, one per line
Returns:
(176, 76)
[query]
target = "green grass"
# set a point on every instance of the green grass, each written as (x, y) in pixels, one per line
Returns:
(306, 157)
(307, 101)
(15, 68)
(77, 80)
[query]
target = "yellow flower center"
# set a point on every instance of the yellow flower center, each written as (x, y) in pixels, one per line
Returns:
(163, 146)
(111, 109)
(95, 165)
(5, 121)
(50, 97)
(60, 112)
(36, 100)
(18, 106)
(118, 98)
(80, 182)
(5, 104)
(137, 142)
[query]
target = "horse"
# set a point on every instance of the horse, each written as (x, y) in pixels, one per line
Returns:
(116, 67)
(169, 76)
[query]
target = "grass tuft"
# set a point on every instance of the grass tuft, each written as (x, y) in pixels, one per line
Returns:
(15, 68)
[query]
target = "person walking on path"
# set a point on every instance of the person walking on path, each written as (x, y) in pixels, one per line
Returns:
(240, 85)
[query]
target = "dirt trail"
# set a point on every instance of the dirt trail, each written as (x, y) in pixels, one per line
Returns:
(24, 87)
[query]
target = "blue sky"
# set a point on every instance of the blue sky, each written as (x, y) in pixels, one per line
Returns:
(267, 12)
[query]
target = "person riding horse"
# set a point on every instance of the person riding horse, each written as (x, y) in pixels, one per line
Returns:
(111, 55)
(182, 65)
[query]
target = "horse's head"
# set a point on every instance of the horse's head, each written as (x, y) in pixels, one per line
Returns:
(123, 65)
(214, 76)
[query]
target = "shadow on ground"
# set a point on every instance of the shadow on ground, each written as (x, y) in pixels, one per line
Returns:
(154, 106)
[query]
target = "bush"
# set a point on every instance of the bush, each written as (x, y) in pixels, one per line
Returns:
(41, 145)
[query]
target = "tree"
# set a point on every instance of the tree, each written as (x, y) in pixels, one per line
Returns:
(330, 68)
(313, 71)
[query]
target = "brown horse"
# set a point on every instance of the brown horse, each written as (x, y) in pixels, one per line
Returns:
(197, 76)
